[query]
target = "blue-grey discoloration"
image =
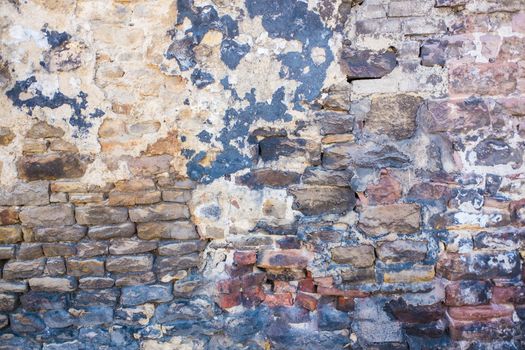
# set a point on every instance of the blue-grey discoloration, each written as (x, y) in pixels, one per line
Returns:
(187, 153)
(291, 20)
(203, 19)
(54, 38)
(234, 137)
(232, 52)
(227, 86)
(182, 51)
(201, 79)
(78, 104)
(204, 136)
(285, 19)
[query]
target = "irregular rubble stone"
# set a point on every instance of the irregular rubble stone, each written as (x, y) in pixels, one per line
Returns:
(319, 176)
(90, 249)
(129, 199)
(85, 267)
(28, 251)
(164, 211)
(134, 263)
(124, 230)
(181, 196)
(359, 256)
(42, 130)
(146, 294)
(416, 273)
(433, 52)
(167, 230)
(7, 302)
(170, 264)
(274, 147)
(119, 247)
(105, 297)
(7, 252)
(61, 233)
(386, 191)
(55, 267)
(483, 78)
(367, 64)
(394, 218)
(322, 200)
(358, 275)
(454, 266)
(51, 166)
(135, 279)
(393, 115)
(13, 286)
(33, 193)
(50, 284)
(348, 155)
(9, 216)
(98, 215)
(59, 249)
(37, 301)
(491, 152)
(47, 216)
(402, 251)
(183, 248)
(260, 178)
(331, 123)
(23, 269)
(27, 322)
(58, 319)
(95, 282)
(10, 234)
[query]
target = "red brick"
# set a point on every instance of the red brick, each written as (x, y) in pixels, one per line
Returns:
(461, 293)
(238, 270)
(307, 285)
(480, 312)
(253, 279)
(247, 257)
(283, 287)
(345, 304)
(253, 296)
(279, 299)
(508, 295)
(306, 300)
(229, 286)
(227, 301)
(287, 258)
(324, 281)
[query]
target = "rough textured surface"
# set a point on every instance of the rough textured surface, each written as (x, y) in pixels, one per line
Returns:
(262, 174)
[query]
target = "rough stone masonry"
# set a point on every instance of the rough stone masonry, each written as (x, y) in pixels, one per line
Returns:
(262, 174)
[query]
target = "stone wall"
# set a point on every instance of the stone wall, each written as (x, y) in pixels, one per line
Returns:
(262, 174)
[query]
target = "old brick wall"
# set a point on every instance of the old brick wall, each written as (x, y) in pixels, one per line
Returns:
(262, 174)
